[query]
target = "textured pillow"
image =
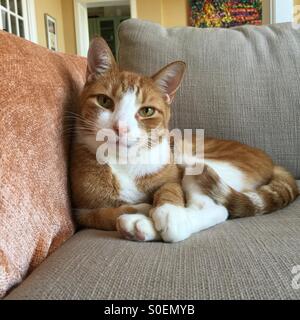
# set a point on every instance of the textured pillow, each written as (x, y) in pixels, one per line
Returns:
(36, 88)
(242, 83)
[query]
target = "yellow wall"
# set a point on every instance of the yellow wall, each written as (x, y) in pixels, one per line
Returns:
(169, 13)
(69, 26)
(149, 10)
(297, 12)
(63, 12)
(174, 13)
(54, 9)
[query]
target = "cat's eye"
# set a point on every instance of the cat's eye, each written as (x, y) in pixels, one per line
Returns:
(105, 101)
(147, 112)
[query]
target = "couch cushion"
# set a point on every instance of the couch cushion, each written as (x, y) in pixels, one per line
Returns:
(242, 83)
(250, 258)
(36, 88)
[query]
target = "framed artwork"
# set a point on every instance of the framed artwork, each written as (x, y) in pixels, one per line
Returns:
(51, 32)
(224, 13)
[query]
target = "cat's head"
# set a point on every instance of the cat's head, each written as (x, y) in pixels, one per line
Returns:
(129, 104)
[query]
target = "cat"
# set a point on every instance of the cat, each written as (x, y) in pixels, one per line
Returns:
(160, 202)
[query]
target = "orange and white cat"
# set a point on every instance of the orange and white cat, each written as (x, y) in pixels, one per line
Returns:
(159, 201)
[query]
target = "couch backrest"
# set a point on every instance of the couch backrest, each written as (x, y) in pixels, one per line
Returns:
(242, 83)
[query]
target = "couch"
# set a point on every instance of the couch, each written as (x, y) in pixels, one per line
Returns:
(242, 83)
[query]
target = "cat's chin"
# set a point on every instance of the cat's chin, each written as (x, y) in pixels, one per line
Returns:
(92, 144)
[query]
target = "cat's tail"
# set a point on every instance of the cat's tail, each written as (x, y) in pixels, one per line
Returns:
(280, 192)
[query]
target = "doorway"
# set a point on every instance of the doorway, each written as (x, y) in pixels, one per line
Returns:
(100, 18)
(105, 21)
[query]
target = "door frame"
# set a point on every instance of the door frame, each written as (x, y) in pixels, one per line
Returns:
(31, 22)
(82, 35)
(274, 12)
(283, 11)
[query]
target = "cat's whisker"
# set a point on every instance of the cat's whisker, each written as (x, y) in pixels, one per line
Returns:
(79, 118)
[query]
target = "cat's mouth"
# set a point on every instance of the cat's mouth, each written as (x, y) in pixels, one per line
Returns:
(131, 141)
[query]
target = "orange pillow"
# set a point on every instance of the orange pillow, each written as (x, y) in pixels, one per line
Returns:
(36, 88)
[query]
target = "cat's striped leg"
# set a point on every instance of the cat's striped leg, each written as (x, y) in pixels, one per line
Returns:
(177, 223)
(107, 218)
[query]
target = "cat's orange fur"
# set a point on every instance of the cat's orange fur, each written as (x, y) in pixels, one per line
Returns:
(97, 189)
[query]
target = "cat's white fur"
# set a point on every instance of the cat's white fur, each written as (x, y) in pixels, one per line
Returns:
(124, 116)
(139, 226)
(169, 222)
(172, 223)
(126, 174)
(128, 190)
(231, 175)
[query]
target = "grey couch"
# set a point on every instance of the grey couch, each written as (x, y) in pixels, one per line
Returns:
(242, 84)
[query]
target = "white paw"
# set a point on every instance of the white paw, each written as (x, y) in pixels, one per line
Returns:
(137, 227)
(172, 223)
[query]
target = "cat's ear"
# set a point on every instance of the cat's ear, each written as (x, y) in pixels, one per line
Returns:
(169, 79)
(100, 59)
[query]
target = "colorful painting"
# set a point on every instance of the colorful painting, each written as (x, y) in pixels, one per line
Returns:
(225, 13)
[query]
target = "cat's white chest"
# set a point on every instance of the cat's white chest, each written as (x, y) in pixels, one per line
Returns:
(128, 189)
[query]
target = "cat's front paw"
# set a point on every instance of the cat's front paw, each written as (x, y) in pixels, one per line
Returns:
(171, 222)
(137, 227)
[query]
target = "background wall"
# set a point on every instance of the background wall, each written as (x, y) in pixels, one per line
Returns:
(149, 10)
(63, 12)
(69, 26)
(297, 13)
(169, 13)
(54, 9)
(174, 13)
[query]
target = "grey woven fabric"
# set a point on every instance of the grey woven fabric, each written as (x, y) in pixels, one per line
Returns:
(250, 258)
(241, 84)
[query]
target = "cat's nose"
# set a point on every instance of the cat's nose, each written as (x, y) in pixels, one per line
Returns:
(120, 129)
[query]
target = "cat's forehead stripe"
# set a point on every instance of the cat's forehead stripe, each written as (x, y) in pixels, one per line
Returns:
(121, 88)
